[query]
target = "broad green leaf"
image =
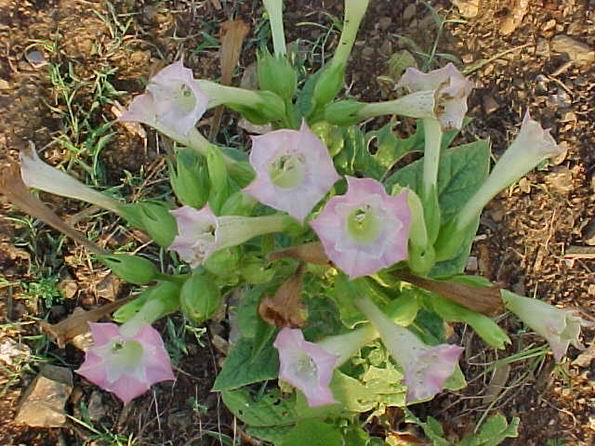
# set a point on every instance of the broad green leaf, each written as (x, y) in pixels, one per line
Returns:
(462, 171)
(431, 428)
(354, 158)
(493, 432)
(273, 435)
(270, 410)
(242, 368)
(313, 433)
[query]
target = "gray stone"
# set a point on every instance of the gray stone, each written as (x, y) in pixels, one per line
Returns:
(576, 51)
(409, 12)
(42, 404)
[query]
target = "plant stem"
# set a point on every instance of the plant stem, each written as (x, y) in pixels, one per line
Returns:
(433, 141)
(275, 11)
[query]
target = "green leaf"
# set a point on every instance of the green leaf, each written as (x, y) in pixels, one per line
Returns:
(462, 171)
(493, 432)
(241, 367)
(354, 158)
(313, 433)
(431, 428)
(269, 410)
(273, 435)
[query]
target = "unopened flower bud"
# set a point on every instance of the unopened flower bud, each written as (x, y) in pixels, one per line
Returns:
(200, 297)
(276, 74)
(133, 269)
(189, 178)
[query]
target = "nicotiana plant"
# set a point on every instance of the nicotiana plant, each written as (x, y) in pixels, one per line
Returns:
(346, 265)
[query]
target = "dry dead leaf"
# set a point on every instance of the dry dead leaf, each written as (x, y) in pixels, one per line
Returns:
(233, 33)
(77, 323)
(485, 300)
(285, 308)
(309, 252)
(13, 188)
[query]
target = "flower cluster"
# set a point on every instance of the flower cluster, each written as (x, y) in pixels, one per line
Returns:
(312, 225)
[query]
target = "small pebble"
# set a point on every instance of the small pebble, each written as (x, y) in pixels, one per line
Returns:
(36, 59)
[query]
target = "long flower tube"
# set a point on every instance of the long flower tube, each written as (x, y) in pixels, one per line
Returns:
(426, 367)
(560, 327)
(201, 233)
(37, 174)
(354, 13)
(532, 145)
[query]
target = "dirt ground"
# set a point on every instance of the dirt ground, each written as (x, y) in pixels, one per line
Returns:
(535, 239)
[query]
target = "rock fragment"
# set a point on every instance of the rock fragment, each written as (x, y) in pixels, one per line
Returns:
(42, 404)
(467, 8)
(576, 51)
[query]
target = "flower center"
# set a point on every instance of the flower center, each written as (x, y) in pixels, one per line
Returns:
(126, 354)
(363, 225)
(306, 367)
(287, 171)
(185, 99)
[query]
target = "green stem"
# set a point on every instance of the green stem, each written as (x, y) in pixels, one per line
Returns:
(354, 13)
(433, 142)
(275, 11)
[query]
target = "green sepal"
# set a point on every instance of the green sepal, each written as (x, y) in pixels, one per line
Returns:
(224, 264)
(343, 113)
(276, 74)
(328, 85)
(189, 178)
(220, 184)
(168, 293)
(158, 222)
(132, 269)
(200, 297)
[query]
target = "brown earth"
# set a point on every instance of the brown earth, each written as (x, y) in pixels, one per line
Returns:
(524, 241)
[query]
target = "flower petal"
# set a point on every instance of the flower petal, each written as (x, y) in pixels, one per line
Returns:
(386, 242)
(293, 171)
(306, 366)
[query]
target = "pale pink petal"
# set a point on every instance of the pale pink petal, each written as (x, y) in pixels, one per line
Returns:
(127, 388)
(141, 109)
(387, 244)
(451, 92)
(103, 333)
(306, 155)
(306, 366)
(110, 365)
(173, 102)
(426, 375)
(560, 327)
(196, 238)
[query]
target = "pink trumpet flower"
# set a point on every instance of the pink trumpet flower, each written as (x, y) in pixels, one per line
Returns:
(294, 171)
(450, 88)
(173, 102)
(126, 364)
(366, 229)
(426, 367)
(306, 366)
(560, 327)
(201, 233)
